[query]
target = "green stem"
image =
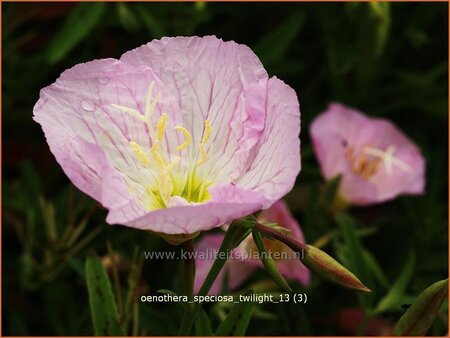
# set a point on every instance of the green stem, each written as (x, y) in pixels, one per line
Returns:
(189, 269)
(232, 237)
(278, 235)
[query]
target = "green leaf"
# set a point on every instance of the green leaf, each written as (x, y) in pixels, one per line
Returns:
(269, 264)
(151, 22)
(354, 254)
(101, 299)
(275, 44)
(203, 325)
(375, 268)
(80, 22)
(394, 298)
(244, 320)
(126, 17)
(237, 320)
(382, 15)
(167, 292)
(354, 248)
(420, 316)
(330, 190)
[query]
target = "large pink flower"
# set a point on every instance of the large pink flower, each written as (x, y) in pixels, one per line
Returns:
(179, 135)
(243, 262)
(376, 160)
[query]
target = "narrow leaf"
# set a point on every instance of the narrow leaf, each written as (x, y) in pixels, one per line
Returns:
(238, 319)
(244, 320)
(273, 45)
(375, 268)
(354, 248)
(420, 316)
(101, 299)
(80, 22)
(330, 190)
(393, 299)
(203, 325)
(354, 254)
(151, 22)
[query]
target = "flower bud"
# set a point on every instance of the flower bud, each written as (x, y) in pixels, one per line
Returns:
(328, 268)
(419, 317)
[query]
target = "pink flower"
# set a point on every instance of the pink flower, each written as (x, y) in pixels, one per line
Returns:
(179, 135)
(376, 160)
(243, 262)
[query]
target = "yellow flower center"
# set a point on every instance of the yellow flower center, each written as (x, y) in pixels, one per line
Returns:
(171, 177)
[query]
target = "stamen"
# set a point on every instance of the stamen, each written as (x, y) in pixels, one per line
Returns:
(187, 138)
(151, 108)
(161, 126)
(203, 155)
(157, 155)
(166, 182)
(131, 111)
(140, 154)
(172, 164)
(207, 132)
(201, 145)
(149, 98)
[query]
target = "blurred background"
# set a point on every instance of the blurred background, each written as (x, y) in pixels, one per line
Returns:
(387, 60)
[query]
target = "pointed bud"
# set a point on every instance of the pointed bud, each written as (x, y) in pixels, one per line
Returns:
(419, 317)
(269, 264)
(328, 268)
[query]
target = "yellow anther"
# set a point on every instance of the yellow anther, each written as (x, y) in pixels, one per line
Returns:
(187, 138)
(207, 132)
(203, 155)
(161, 126)
(157, 155)
(140, 154)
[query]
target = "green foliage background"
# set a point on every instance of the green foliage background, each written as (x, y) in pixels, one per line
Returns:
(387, 60)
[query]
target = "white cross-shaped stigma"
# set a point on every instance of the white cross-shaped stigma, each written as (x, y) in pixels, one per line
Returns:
(387, 157)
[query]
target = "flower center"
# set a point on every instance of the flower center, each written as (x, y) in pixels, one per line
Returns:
(171, 175)
(368, 162)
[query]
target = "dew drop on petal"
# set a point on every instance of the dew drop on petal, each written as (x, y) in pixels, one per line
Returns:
(87, 105)
(103, 80)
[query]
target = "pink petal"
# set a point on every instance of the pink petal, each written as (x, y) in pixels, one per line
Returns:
(78, 106)
(275, 162)
(223, 82)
